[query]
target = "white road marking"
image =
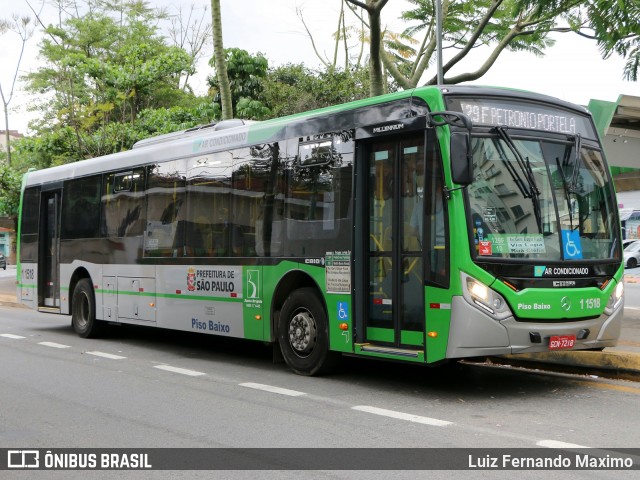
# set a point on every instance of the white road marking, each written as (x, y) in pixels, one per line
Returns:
(106, 355)
(182, 371)
(402, 416)
(11, 335)
(269, 388)
(54, 345)
(556, 444)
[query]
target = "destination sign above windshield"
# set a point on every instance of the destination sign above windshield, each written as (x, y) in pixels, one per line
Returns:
(530, 116)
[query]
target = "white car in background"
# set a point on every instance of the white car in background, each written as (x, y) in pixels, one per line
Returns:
(631, 254)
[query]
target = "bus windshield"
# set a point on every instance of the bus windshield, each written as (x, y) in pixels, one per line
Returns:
(538, 199)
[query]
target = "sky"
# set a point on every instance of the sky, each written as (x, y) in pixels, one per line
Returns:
(572, 70)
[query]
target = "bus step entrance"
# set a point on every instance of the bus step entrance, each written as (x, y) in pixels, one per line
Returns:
(403, 352)
(49, 309)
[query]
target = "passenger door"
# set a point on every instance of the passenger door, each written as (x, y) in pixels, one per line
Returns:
(49, 256)
(394, 255)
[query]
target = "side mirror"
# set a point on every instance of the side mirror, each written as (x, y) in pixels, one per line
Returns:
(461, 159)
(460, 146)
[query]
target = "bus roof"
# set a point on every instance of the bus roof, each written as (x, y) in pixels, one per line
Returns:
(237, 133)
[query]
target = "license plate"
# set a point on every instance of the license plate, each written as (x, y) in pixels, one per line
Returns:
(558, 342)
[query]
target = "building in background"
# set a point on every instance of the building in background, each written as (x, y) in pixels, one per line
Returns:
(7, 233)
(7, 238)
(13, 135)
(618, 124)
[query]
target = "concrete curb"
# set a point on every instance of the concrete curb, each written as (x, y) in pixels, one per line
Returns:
(9, 301)
(614, 364)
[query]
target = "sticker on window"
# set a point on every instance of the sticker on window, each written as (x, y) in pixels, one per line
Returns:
(484, 248)
(571, 244)
(489, 214)
(517, 243)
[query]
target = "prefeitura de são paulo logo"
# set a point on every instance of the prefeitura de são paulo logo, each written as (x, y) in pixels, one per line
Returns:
(191, 279)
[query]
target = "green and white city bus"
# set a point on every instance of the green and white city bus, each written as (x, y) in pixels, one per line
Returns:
(425, 225)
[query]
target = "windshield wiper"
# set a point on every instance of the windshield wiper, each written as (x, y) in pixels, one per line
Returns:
(577, 163)
(567, 192)
(571, 187)
(524, 164)
(532, 191)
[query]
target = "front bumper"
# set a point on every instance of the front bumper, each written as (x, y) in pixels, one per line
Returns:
(473, 333)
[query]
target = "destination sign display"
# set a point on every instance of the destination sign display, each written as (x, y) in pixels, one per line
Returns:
(526, 115)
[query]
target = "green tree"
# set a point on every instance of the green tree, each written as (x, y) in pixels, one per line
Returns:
(10, 181)
(56, 146)
(497, 25)
(343, 34)
(374, 9)
(613, 24)
(191, 33)
(220, 64)
(245, 73)
(103, 67)
(294, 88)
(21, 26)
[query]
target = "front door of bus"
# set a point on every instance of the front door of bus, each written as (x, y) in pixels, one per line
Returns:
(395, 304)
(49, 262)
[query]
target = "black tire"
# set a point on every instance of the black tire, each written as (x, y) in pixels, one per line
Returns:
(632, 263)
(83, 310)
(303, 334)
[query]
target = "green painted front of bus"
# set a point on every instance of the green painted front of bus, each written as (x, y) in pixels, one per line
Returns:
(558, 303)
(438, 301)
(437, 322)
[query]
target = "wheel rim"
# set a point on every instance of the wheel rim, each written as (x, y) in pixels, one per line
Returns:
(302, 333)
(82, 310)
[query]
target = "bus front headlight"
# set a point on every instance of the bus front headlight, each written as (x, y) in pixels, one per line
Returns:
(484, 298)
(615, 299)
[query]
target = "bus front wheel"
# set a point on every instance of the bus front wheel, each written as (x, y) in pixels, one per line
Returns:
(303, 334)
(83, 310)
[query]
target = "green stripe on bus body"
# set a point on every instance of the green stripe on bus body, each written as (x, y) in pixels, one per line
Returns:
(172, 295)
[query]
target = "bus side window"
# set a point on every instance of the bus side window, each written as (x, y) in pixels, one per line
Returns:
(81, 208)
(318, 195)
(207, 210)
(123, 204)
(164, 235)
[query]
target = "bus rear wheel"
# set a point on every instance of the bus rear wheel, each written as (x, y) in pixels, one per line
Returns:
(303, 334)
(83, 310)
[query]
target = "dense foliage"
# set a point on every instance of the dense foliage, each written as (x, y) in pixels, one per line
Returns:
(110, 77)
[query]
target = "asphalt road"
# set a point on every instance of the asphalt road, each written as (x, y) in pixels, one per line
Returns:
(148, 388)
(140, 387)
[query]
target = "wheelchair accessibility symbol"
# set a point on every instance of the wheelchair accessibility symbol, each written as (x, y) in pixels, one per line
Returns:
(343, 311)
(571, 244)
